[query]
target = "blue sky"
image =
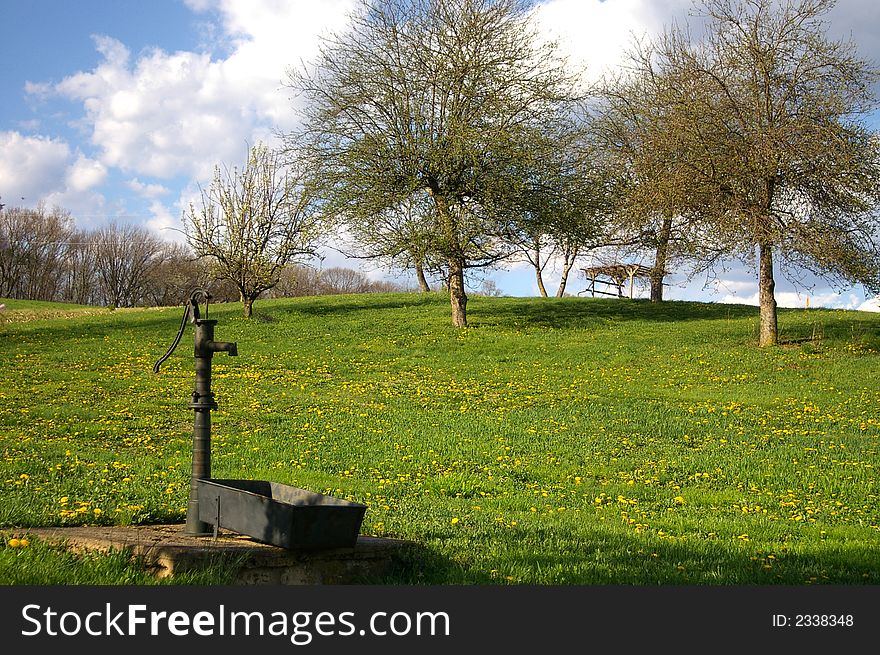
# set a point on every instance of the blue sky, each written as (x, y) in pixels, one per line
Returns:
(119, 109)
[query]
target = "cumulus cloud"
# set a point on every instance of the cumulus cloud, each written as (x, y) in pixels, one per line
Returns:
(167, 114)
(31, 166)
(146, 189)
(40, 168)
(164, 223)
(793, 299)
(85, 174)
(596, 34)
(163, 114)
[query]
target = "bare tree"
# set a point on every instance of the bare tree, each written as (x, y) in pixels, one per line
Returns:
(769, 141)
(80, 283)
(296, 280)
(338, 280)
(123, 257)
(254, 221)
(32, 251)
(175, 272)
(438, 98)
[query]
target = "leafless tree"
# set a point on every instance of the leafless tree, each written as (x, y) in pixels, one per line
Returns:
(32, 250)
(80, 283)
(176, 271)
(124, 256)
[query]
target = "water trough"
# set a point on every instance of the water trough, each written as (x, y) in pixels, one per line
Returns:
(278, 514)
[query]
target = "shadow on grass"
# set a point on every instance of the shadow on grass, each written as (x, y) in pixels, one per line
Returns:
(417, 564)
(335, 305)
(609, 558)
(583, 312)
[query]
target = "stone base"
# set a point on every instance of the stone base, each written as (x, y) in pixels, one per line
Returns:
(166, 550)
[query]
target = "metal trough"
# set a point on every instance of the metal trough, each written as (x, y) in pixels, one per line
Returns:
(279, 514)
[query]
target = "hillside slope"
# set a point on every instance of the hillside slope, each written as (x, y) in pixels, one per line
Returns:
(552, 442)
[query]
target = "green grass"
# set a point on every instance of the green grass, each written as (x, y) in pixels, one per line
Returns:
(571, 441)
(16, 311)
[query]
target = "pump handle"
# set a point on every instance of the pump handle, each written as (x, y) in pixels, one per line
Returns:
(191, 304)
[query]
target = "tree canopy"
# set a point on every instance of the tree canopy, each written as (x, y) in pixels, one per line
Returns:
(433, 99)
(253, 221)
(764, 142)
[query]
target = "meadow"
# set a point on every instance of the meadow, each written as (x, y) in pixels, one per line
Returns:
(555, 441)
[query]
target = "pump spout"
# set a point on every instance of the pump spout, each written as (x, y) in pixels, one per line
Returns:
(225, 346)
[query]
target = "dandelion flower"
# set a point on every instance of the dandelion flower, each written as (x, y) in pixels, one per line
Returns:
(455, 520)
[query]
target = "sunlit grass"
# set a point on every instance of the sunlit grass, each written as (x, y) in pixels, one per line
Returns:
(571, 441)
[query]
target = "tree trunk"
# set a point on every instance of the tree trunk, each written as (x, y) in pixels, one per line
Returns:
(455, 274)
(769, 334)
(247, 305)
(569, 258)
(539, 273)
(457, 296)
(658, 273)
(420, 276)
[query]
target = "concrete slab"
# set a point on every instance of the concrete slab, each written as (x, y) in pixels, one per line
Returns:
(166, 550)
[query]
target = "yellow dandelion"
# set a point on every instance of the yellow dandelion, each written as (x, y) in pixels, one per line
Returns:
(455, 520)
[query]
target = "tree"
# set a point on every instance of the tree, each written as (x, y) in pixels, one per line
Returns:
(80, 284)
(339, 280)
(639, 117)
(432, 100)
(32, 251)
(176, 271)
(123, 257)
(566, 196)
(767, 124)
(296, 280)
(254, 221)
(401, 235)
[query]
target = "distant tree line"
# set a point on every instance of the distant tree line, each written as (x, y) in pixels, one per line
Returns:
(44, 256)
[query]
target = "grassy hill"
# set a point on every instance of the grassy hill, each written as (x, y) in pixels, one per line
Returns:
(570, 441)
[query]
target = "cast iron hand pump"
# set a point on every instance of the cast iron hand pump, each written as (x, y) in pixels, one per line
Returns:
(202, 400)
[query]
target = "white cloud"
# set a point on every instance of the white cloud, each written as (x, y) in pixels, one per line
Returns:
(870, 305)
(164, 223)
(734, 287)
(85, 174)
(36, 169)
(596, 34)
(146, 189)
(165, 114)
(31, 166)
(793, 299)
